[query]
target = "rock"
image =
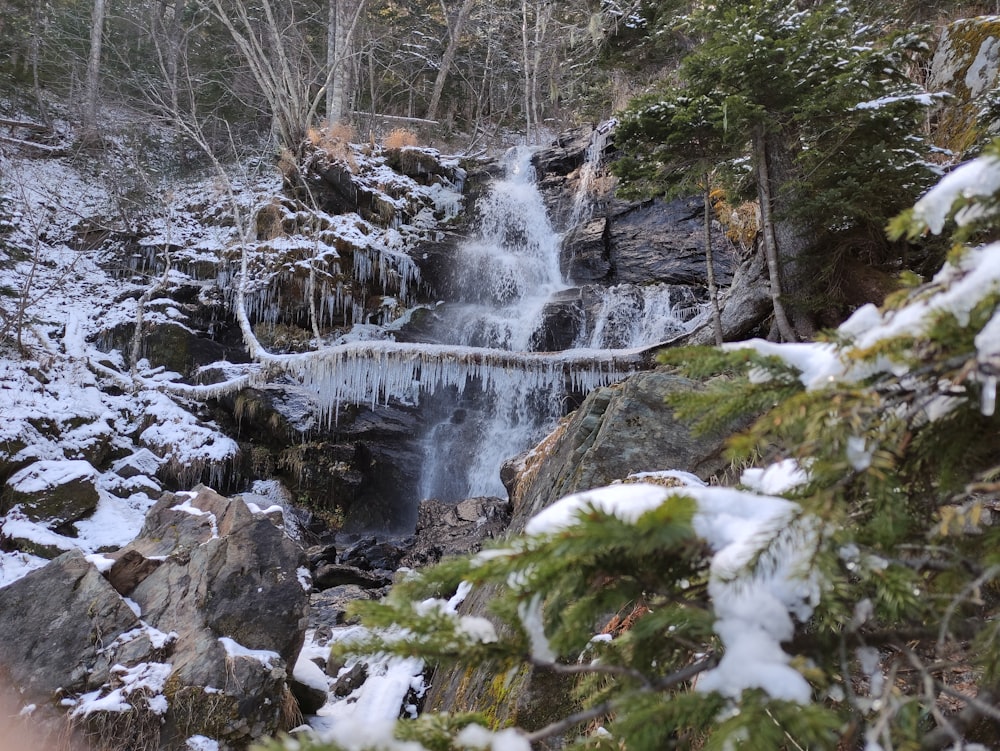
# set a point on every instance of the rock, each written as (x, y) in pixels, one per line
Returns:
(223, 616)
(445, 529)
(372, 554)
(140, 463)
(309, 686)
(129, 570)
(350, 680)
(744, 306)
(618, 430)
(60, 624)
(328, 608)
(566, 154)
(664, 241)
(182, 331)
(966, 64)
(588, 252)
(53, 491)
(336, 574)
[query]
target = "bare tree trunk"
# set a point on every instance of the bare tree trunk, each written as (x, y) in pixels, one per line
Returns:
(35, 43)
(449, 58)
(92, 90)
(334, 108)
(765, 193)
(713, 290)
(526, 61)
(342, 20)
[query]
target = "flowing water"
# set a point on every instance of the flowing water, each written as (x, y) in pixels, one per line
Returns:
(508, 273)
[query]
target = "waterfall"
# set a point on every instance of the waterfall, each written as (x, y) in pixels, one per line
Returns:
(582, 207)
(507, 274)
(630, 315)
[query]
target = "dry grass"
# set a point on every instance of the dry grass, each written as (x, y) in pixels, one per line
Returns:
(741, 222)
(269, 221)
(335, 139)
(400, 138)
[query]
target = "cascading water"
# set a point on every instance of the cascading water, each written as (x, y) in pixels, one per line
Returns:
(507, 274)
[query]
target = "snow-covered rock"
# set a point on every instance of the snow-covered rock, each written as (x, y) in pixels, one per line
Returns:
(57, 491)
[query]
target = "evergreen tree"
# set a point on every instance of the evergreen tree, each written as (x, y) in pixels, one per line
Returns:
(826, 114)
(830, 601)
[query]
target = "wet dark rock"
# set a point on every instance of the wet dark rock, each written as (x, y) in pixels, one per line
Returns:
(351, 680)
(664, 241)
(310, 698)
(566, 154)
(337, 574)
(371, 554)
(329, 606)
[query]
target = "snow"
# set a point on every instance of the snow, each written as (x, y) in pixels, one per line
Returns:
(979, 178)
(48, 474)
(774, 479)
(308, 673)
(233, 648)
(100, 562)
(530, 613)
(147, 677)
(201, 743)
(957, 289)
(925, 99)
(754, 609)
(477, 737)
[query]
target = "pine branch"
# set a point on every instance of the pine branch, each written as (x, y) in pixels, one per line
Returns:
(610, 706)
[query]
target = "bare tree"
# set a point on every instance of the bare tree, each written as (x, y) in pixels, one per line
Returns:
(92, 90)
(342, 21)
(455, 34)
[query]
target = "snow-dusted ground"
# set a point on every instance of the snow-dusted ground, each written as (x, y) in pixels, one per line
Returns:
(64, 402)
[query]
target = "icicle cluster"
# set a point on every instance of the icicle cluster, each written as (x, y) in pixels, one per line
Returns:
(374, 372)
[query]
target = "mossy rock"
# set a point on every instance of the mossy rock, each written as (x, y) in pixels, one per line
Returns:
(53, 491)
(966, 64)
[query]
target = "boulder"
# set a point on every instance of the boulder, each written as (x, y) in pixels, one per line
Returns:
(53, 491)
(191, 629)
(617, 431)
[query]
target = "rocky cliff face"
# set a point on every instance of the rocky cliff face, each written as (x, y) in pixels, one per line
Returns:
(966, 66)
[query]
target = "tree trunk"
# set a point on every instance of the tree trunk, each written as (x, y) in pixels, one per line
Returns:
(713, 291)
(449, 58)
(526, 62)
(785, 243)
(92, 90)
(342, 19)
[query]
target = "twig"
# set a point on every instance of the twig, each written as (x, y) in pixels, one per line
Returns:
(667, 681)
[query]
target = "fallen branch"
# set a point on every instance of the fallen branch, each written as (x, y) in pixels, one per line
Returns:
(41, 148)
(24, 124)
